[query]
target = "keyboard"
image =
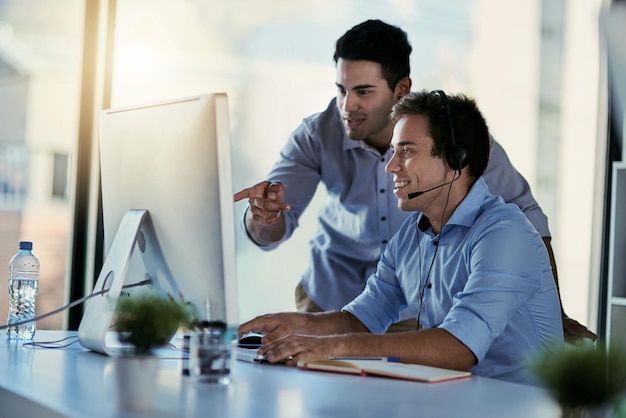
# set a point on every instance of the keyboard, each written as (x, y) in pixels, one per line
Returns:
(249, 355)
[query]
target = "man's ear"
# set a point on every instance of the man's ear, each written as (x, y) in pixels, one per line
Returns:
(403, 87)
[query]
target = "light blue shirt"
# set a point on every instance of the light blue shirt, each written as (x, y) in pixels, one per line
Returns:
(490, 285)
(361, 213)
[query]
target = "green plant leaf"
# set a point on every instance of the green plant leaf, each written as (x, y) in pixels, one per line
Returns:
(148, 321)
(587, 375)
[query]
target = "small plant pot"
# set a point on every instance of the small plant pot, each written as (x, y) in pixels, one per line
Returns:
(136, 382)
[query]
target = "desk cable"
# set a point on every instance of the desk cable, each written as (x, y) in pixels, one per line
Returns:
(62, 343)
(71, 305)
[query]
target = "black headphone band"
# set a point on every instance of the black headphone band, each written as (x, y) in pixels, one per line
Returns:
(457, 155)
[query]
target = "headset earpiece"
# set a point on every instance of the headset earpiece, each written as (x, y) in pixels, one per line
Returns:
(457, 157)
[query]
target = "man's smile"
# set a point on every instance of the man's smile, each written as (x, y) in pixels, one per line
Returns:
(400, 184)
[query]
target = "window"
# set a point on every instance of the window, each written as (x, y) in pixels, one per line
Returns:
(40, 70)
(60, 175)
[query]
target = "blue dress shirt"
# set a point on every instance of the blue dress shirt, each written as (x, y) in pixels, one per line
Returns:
(490, 285)
(361, 213)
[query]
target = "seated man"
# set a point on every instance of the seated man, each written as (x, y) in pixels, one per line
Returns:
(471, 269)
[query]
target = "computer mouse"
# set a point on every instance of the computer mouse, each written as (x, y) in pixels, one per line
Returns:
(251, 340)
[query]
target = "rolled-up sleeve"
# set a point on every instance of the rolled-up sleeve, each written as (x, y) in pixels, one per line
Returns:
(380, 303)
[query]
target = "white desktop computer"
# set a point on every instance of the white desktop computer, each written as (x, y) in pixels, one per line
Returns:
(167, 211)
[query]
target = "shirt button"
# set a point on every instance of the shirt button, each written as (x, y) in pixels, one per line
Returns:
(430, 285)
(382, 160)
(383, 218)
(384, 241)
(382, 190)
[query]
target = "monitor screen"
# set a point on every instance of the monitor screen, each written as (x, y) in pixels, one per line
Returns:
(167, 208)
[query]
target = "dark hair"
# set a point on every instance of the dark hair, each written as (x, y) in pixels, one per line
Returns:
(470, 128)
(377, 41)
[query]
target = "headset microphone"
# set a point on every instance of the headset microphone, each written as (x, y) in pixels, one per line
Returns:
(421, 192)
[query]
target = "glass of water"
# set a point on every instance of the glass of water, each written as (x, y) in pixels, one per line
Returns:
(210, 356)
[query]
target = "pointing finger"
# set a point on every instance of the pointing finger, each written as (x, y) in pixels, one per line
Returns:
(242, 194)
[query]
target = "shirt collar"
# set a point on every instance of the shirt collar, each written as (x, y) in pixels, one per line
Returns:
(467, 211)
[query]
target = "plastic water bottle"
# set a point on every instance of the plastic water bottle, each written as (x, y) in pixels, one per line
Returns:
(23, 286)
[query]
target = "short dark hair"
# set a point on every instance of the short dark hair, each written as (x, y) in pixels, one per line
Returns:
(377, 41)
(470, 127)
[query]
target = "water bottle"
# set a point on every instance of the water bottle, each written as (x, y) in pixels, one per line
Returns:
(23, 286)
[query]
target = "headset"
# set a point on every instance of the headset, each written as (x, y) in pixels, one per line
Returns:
(457, 155)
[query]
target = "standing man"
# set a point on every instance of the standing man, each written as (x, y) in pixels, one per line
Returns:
(470, 267)
(346, 147)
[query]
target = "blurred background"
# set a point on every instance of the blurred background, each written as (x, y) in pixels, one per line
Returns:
(536, 69)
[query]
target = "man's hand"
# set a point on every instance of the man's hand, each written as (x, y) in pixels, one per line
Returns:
(294, 336)
(575, 332)
(294, 348)
(266, 201)
(264, 222)
(290, 337)
(280, 342)
(276, 325)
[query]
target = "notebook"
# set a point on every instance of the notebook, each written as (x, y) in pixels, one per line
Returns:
(384, 368)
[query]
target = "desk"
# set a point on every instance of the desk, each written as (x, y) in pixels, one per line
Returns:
(74, 382)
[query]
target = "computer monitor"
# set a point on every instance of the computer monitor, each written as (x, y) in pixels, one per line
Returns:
(167, 210)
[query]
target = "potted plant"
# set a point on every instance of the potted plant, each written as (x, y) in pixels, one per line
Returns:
(586, 381)
(145, 322)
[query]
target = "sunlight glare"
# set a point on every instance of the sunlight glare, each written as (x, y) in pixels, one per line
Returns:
(136, 59)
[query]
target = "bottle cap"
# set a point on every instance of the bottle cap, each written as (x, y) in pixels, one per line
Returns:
(26, 245)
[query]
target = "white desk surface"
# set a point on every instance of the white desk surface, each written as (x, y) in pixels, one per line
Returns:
(74, 382)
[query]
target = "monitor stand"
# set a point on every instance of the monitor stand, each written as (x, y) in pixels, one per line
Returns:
(135, 230)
